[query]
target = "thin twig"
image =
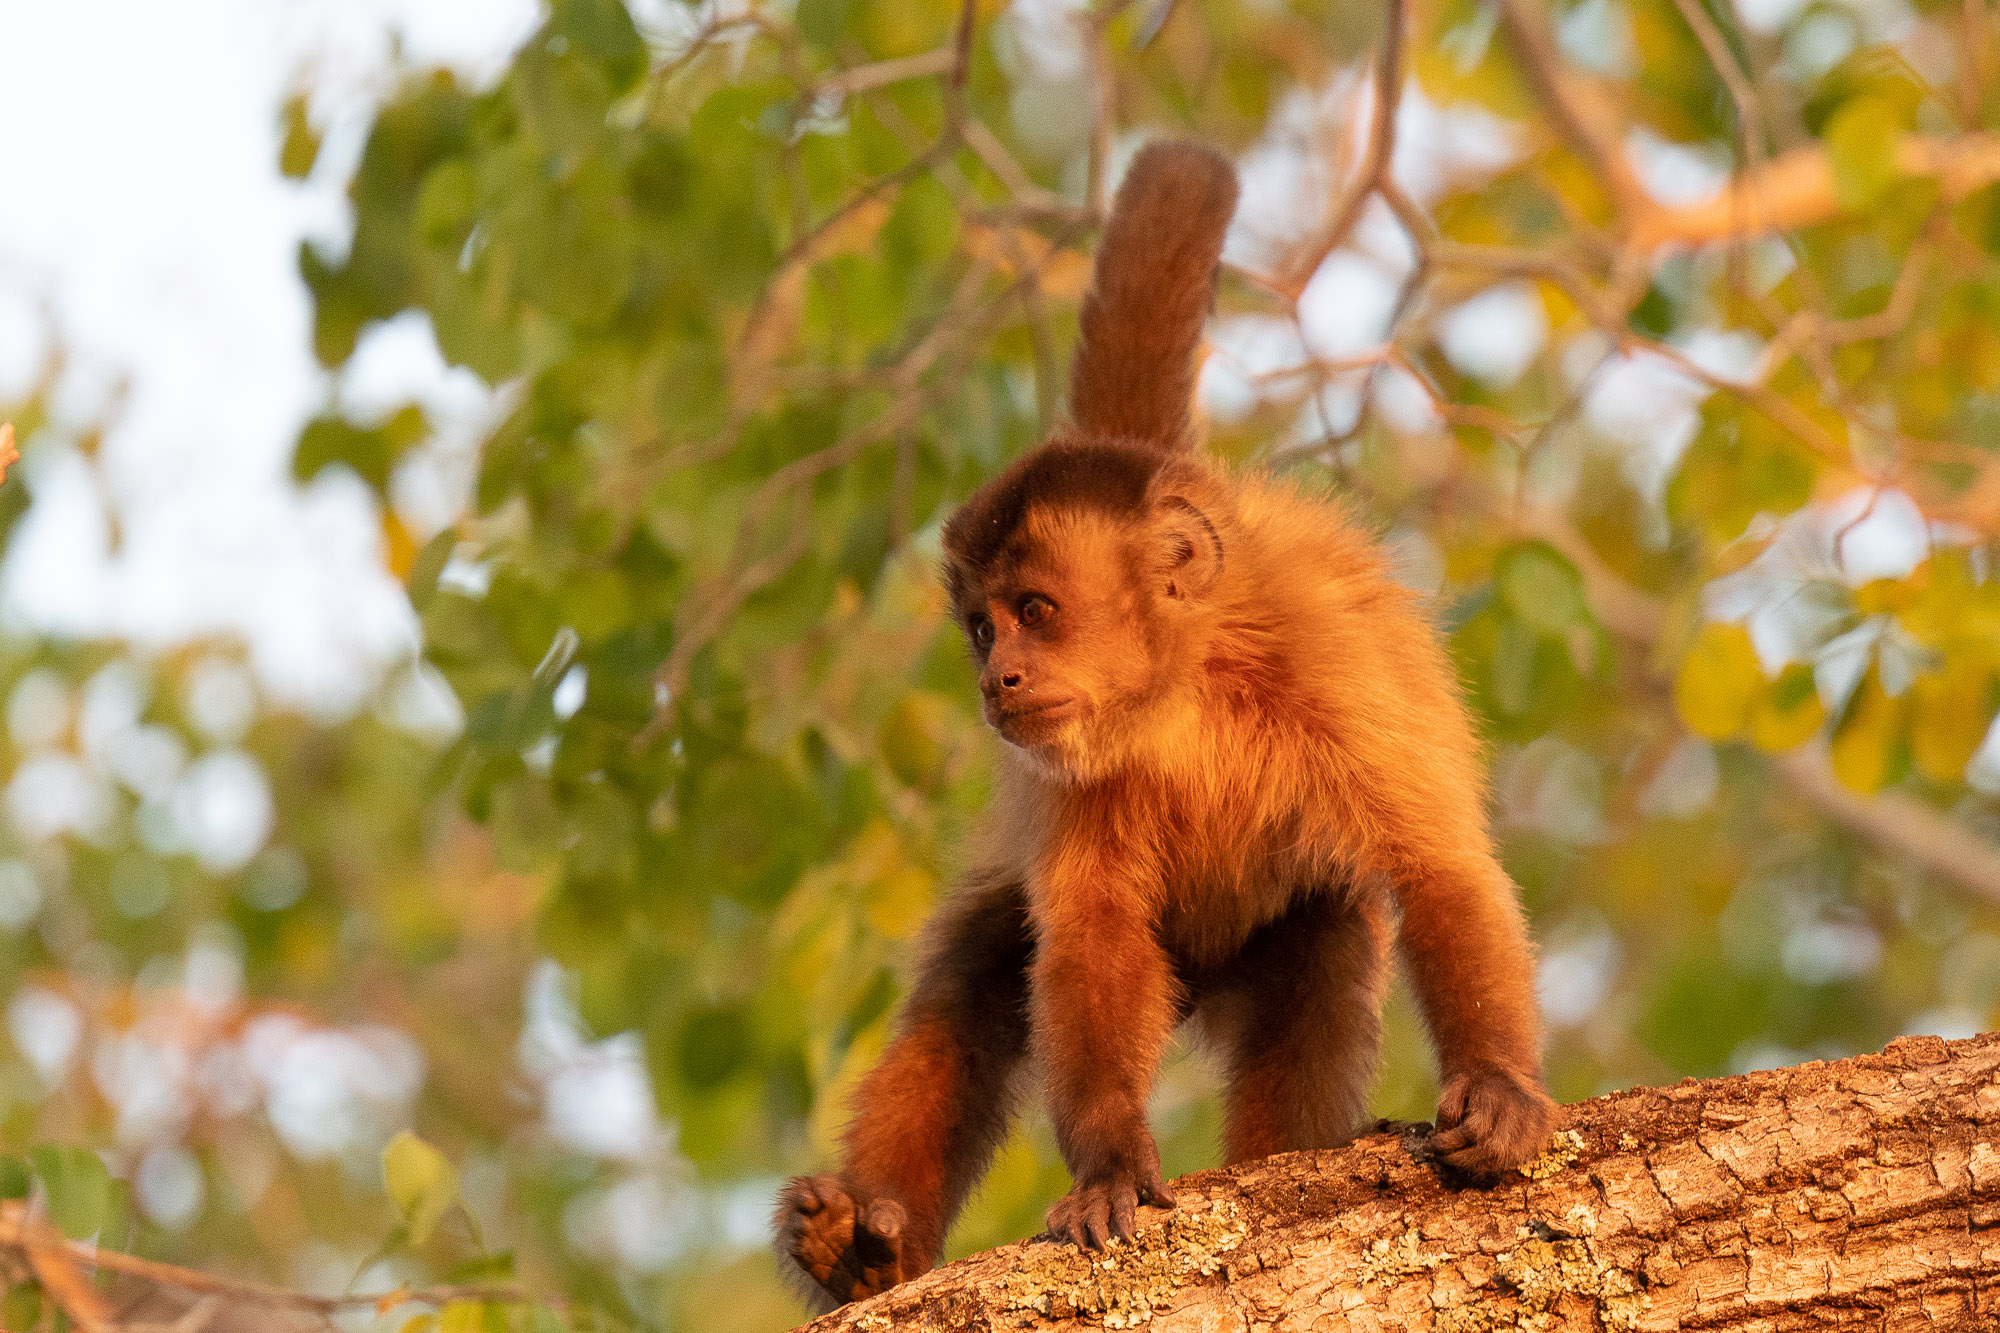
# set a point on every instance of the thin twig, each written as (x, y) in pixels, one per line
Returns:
(31, 1239)
(1373, 174)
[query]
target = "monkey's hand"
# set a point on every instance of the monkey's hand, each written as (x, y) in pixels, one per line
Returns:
(1490, 1120)
(851, 1248)
(1099, 1208)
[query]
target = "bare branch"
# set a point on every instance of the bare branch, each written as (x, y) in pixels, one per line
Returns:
(1373, 174)
(49, 1252)
(1583, 115)
(884, 72)
(1797, 190)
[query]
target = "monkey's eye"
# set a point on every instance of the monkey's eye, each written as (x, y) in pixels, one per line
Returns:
(1035, 609)
(980, 628)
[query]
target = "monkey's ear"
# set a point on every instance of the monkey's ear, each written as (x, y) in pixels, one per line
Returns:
(1190, 547)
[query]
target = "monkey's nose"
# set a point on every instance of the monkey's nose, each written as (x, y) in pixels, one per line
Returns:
(1011, 681)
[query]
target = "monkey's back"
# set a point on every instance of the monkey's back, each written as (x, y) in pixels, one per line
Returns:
(1330, 698)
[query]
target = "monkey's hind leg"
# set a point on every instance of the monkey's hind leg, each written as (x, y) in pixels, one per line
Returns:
(928, 1117)
(1298, 1016)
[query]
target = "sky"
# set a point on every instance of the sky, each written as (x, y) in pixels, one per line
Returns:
(143, 221)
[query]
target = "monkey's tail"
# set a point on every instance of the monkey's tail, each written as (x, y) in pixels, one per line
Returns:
(1153, 286)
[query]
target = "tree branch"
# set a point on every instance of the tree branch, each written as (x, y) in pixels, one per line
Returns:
(1898, 822)
(1797, 190)
(1859, 1193)
(61, 1264)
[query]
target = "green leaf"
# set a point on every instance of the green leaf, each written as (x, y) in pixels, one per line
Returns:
(77, 1187)
(15, 1180)
(422, 583)
(421, 1183)
(1540, 586)
(448, 204)
(714, 1044)
(22, 1306)
(1741, 464)
(822, 22)
(602, 31)
(912, 738)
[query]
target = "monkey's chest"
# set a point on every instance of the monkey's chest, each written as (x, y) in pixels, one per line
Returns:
(1210, 907)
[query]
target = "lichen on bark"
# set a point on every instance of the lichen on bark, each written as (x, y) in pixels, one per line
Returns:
(1860, 1194)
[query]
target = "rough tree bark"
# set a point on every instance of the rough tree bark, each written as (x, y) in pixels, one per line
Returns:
(1861, 1194)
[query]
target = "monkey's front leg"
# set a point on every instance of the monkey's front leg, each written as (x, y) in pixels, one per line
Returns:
(1474, 971)
(1102, 1004)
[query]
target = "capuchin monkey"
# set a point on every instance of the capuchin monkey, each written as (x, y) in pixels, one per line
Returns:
(1237, 766)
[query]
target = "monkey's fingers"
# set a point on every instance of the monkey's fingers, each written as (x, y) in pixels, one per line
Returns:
(815, 1226)
(802, 1195)
(1096, 1219)
(1452, 1100)
(1157, 1192)
(1490, 1121)
(1124, 1206)
(885, 1219)
(1461, 1144)
(876, 1259)
(1064, 1224)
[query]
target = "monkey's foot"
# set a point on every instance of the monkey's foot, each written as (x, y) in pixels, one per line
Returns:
(1490, 1120)
(851, 1248)
(1091, 1214)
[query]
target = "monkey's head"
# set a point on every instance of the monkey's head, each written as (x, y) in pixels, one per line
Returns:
(1084, 578)
(1086, 575)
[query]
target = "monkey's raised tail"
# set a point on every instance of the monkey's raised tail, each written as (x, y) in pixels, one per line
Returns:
(1151, 290)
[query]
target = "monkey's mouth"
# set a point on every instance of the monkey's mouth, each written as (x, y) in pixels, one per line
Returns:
(1020, 722)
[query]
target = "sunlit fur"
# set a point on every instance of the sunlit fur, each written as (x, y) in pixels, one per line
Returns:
(1256, 774)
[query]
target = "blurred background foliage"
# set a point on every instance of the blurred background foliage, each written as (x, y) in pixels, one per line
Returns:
(608, 891)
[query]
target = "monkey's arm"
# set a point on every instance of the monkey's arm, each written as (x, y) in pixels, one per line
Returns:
(1467, 952)
(1102, 1002)
(1463, 936)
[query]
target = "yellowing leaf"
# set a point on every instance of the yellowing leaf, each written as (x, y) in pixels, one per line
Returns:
(1561, 306)
(1861, 147)
(420, 1181)
(1881, 597)
(898, 900)
(829, 1114)
(462, 1317)
(301, 146)
(401, 546)
(1788, 712)
(1863, 745)
(1951, 711)
(1718, 681)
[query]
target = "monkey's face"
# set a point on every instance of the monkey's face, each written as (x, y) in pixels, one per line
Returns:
(1073, 623)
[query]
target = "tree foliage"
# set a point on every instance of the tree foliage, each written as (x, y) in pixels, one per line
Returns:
(1659, 343)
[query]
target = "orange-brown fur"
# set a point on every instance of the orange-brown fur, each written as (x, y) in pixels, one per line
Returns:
(1238, 766)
